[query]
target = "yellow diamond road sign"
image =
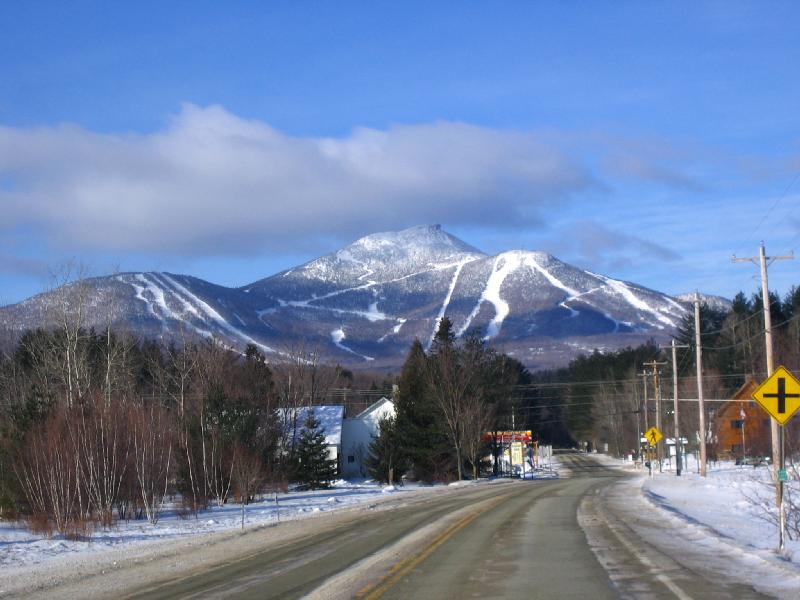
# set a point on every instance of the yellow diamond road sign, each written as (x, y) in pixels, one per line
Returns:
(779, 395)
(653, 436)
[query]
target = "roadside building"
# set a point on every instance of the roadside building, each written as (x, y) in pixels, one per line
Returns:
(743, 427)
(357, 433)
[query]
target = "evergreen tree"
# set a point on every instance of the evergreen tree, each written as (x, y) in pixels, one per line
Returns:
(711, 328)
(418, 420)
(385, 461)
(445, 338)
(314, 467)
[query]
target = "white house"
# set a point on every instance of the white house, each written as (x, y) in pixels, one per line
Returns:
(330, 419)
(357, 433)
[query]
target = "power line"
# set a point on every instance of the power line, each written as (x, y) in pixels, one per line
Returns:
(769, 212)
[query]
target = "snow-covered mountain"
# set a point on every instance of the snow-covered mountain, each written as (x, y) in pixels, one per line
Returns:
(715, 302)
(364, 304)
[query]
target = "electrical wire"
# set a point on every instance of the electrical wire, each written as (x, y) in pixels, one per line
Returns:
(769, 212)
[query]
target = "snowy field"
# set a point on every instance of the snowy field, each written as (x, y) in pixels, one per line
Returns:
(19, 547)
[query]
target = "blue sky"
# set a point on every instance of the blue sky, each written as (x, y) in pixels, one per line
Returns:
(647, 141)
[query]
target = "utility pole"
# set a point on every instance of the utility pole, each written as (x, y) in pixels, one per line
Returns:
(678, 449)
(778, 458)
(643, 375)
(657, 386)
(700, 404)
(646, 457)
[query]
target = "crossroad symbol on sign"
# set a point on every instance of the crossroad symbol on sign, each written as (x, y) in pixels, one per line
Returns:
(779, 395)
(653, 435)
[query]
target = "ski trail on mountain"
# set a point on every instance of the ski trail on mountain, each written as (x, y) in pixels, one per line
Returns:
(158, 297)
(366, 286)
(512, 261)
(213, 314)
(554, 281)
(447, 298)
(621, 288)
(140, 296)
(372, 313)
(187, 306)
(394, 331)
(491, 293)
(338, 336)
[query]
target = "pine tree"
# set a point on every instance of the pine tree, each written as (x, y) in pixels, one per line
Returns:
(417, 422)
(385, 461)
(314, 467)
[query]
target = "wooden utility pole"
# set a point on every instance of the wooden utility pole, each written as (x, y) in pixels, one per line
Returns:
(643, 375)
(657, 388)
(776, 430)
(700, 404)
(678, 448)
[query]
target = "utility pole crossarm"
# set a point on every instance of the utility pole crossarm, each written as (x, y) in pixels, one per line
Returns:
(756, 260)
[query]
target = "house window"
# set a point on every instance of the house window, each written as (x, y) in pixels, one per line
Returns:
(351, 458)
(737, 424)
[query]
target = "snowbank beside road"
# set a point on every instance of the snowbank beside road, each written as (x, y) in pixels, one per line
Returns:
(20, 547)
(733, 503)
(714, 524)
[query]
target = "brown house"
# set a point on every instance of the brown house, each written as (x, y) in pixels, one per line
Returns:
(735, 418)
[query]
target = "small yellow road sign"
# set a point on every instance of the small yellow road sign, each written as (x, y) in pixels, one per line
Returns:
(779, 395)
(653, 436)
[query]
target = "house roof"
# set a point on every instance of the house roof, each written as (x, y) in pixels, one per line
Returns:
(746, 391)
(743, 393)
(329, 417)
(375, 406)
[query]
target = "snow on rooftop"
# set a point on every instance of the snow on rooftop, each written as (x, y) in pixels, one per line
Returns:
(329, 417)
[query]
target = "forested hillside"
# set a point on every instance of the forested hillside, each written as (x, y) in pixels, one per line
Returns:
(599, 397)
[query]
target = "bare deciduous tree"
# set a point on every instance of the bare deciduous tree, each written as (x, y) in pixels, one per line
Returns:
(151, 429)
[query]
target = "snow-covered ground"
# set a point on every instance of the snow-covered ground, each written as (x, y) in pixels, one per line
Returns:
(19, 547)
(734, 503)
(724, 516)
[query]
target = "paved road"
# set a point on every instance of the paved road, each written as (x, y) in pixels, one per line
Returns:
(565, 538)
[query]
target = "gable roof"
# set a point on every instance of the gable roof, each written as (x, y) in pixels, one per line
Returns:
(374, 407)
(746, 391)
(743, 393)
(329, 417)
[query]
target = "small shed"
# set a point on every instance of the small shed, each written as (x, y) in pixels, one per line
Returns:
(357, 433)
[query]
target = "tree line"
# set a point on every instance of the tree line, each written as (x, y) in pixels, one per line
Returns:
(98, 426)
(599, 398)
(101, 426)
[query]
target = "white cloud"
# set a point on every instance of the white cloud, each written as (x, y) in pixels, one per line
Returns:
(212, 183)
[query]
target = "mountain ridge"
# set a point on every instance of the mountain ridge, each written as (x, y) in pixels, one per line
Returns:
(363, 305)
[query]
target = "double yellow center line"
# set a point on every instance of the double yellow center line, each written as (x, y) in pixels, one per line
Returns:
(375, 590)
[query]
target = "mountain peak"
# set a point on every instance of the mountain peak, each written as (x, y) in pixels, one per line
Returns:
(431, 237)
